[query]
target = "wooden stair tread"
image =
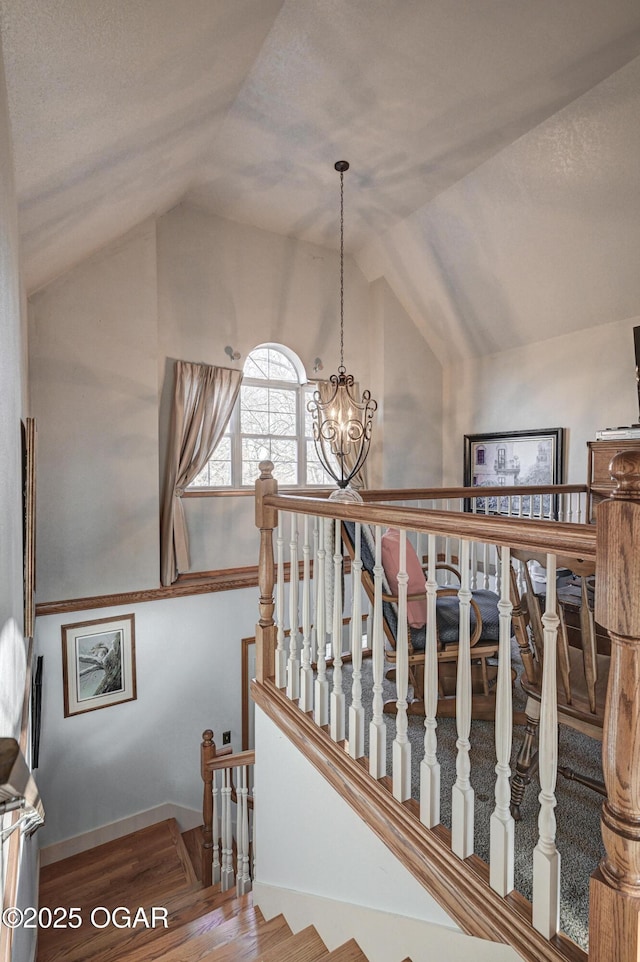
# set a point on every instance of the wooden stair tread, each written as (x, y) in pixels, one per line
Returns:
(154, 868)
(185, 945)
(349, 952)
(304, 946)
(253, 942)
(154, 858)
(147, 868)
(189, 916)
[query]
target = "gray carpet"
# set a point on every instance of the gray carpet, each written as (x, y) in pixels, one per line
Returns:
(578, 810)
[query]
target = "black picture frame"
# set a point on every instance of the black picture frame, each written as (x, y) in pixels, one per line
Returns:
(515, 458)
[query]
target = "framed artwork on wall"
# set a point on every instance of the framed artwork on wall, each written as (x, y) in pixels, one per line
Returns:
(515, 458)
(98, 664)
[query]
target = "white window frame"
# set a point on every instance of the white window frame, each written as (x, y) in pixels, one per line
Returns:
(303, 389)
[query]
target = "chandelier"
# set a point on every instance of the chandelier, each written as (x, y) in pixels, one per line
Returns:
(342, 424)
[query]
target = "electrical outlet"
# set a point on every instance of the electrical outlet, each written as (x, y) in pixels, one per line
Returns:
(226, 738)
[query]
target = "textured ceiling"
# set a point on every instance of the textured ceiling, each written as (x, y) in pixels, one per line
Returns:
(121, 108)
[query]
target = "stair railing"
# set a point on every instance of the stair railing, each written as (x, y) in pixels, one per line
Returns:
(228, 843)
(485, 908)
(21, 813)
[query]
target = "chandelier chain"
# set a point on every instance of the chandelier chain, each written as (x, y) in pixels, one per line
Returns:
(342, 269)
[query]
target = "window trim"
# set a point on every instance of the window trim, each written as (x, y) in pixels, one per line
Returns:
(303, 388)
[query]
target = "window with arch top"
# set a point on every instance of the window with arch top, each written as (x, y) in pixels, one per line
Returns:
(269, 422)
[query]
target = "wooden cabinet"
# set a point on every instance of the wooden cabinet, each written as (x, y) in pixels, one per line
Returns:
(599, 483)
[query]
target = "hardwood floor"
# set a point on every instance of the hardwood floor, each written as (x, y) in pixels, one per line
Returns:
(139, 900)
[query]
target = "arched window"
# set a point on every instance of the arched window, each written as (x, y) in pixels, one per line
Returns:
(269, 422)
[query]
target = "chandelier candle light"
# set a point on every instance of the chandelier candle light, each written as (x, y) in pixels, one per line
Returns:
(341, 423)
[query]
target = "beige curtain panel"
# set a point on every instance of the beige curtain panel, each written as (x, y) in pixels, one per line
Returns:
(204, 397)
(359, 480)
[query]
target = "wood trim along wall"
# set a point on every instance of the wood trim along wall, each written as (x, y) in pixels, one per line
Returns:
(460, 887)
(198, 583)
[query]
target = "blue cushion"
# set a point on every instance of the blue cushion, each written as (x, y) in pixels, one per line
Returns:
(447, 608)
(448, 616)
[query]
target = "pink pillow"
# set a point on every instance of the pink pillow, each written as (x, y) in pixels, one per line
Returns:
(416, 610)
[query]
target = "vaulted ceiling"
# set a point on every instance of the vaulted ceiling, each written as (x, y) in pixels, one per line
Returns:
(469, 126)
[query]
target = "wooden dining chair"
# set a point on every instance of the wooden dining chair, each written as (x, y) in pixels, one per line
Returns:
(484, 636)
(582, 671)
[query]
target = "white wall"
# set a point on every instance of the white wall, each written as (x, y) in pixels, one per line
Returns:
(11, 381)
(320, 846)
(102, 343)
(221, 283)
(94, 393)
(583, 381)
(105, 765)
(12, 409)
(411, 400)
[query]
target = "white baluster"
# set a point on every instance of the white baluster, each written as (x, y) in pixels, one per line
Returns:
(321, 709)
(314, 626)
(502, 824)
(227, 879)
(474, 565)
(293, 668)
(243, 883)
(485, 553)
(420, 537)
(462, 806)
(377, 727)
(356, 709)
(496, 576)
(580, 506)
(447, 550)
(546, 858)
(252, 833)
(306, 674)
(429, 766)
(401, 757)
(337, 714)
(215, 840)
(281, 652)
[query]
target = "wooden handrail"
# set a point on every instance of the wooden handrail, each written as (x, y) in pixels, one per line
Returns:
(574, 540)
(438, 494)
(612, 546)
(460, 886)
(231, 761)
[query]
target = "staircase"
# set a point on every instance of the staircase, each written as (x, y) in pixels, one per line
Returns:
(146, 882)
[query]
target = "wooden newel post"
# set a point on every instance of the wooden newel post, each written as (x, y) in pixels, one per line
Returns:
(207, 753)
(266, 521)
(614, 920)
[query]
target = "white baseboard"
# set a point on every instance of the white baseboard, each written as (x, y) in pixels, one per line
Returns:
(382, 936)
(186, 818)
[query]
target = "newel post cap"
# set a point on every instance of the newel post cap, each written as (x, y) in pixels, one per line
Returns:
(625, 471)
(266, 470)
(617, 597)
